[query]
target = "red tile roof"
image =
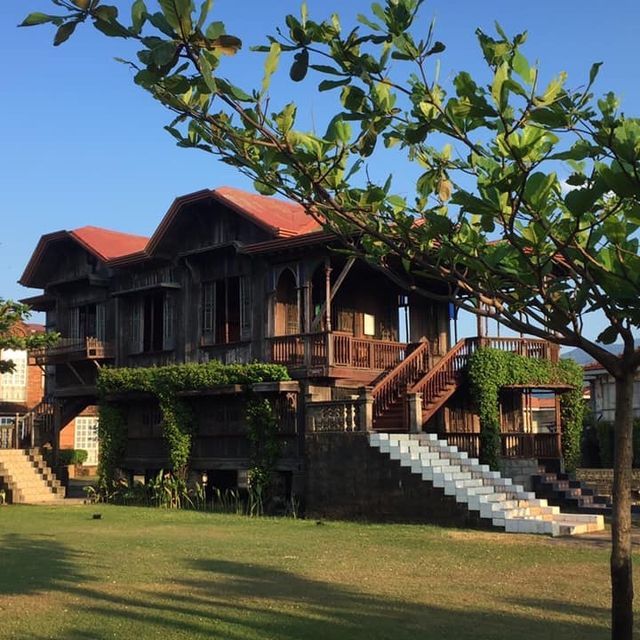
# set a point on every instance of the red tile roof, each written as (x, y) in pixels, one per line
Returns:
(107, 244)
(285, 218)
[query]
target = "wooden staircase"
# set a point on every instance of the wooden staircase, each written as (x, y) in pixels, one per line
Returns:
(438, 381)
(417, 374)
(389, 393)
(441, 382)
(27, 479)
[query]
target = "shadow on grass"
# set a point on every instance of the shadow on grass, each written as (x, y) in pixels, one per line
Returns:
(32, 564)
(236, 601)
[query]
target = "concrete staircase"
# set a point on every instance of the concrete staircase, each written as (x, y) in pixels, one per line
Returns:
(496, 499)
(27, 478)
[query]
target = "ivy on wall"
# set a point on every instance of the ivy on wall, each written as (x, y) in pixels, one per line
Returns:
(165, 383)
(265, 450)
(491, 369)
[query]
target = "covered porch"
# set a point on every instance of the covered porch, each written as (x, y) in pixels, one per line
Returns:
(335, 317)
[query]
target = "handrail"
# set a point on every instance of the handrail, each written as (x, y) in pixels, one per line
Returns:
(395, 383)
(445, 372)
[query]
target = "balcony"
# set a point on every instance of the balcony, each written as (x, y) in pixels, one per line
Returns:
(68, 349)
(319, 353)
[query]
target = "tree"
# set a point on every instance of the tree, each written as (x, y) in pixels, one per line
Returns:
(527, 203)
(12, 334)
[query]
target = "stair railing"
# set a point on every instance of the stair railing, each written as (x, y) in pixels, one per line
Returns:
(393, 385)
(41, 417)
(445, 373)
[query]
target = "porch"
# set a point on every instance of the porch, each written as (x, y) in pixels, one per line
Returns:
(333, 353)
(73, 349)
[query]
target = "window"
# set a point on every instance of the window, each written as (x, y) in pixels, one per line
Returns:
(13, 384)
(226, 310)
(86, 437)
(87, 321)
(369, 328)
(152, 323)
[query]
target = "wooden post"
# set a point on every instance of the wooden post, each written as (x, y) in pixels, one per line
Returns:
(366, 409)
(327, 309)
(414, 403)
(558, 427)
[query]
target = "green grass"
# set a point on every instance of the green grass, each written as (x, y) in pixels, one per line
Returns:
(144, 573)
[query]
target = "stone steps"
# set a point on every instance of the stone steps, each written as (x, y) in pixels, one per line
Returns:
(28, 478)
(496, 499)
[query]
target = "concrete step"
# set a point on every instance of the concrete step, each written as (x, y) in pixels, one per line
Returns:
(497, 499)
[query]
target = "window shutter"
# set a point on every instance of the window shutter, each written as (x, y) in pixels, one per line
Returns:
(245, 308)
(168, 335)
(101, 321)
(135, 319)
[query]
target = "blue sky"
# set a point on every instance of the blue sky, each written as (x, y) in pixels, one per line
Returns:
(81, 144)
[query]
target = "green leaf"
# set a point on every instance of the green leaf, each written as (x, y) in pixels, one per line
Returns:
(438, 47)
(178, 15)
(138, 15)
(338, 131)
(498, 95)
(608, 336)
(270, 65)
(326, 85)
(235, 92)
(164, 53)
(64, 32)
(215, 30)
(205, 8)
(263, 188)
(521, 67)
(39, 18)
(300, 67)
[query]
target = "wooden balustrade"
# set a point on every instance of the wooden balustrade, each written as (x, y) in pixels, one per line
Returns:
(513, 445)
(445, 373)
(395, 383)
(334, 349)
(528, 347)
(75, 348)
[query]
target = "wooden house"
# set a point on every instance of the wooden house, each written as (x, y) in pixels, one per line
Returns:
(240, 277)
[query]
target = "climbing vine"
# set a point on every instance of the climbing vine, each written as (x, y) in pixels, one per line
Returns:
(265, 450)
(165, 383)
(491, 369)
(112, 435)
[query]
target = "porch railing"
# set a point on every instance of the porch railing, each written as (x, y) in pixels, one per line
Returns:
(513, 445)
(78, 348)
(335, 349)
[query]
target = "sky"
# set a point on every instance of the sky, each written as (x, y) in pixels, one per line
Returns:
(81, 144)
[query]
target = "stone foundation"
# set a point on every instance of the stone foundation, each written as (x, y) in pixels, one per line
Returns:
(519, 470)
(348, 479)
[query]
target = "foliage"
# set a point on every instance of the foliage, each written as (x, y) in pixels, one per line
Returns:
(13, 336)
(265, 451)
(67, 457)
(605, 436)
(491, 369)
(112, 435)
(165, 383)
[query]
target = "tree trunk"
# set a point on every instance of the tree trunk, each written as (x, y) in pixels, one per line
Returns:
(621, 572)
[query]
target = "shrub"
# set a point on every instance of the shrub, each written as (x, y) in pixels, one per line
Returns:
(68, 457)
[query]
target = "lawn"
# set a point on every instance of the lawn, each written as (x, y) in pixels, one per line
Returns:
(149, 573)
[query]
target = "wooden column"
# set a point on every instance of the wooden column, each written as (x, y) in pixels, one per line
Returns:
(366, 409)
(327, 309)
(558, 425)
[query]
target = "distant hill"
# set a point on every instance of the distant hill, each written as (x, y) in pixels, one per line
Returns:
(583, 358)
